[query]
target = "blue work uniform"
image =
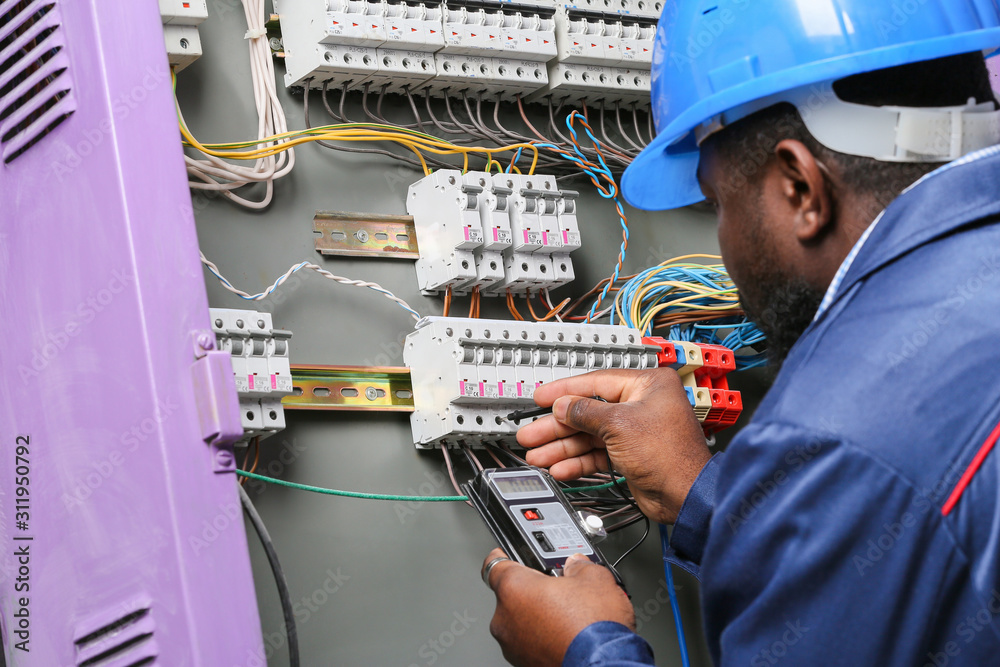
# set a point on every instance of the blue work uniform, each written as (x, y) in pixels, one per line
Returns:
(854, 521)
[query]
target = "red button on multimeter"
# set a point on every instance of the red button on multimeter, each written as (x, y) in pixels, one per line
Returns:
(532, 515)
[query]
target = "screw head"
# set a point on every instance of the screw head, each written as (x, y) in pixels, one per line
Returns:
(371, 393)
(224, 458)
(275, 44)
(205, 341)
(361, 235)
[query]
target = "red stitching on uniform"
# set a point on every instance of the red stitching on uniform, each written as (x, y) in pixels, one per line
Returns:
(971, 471)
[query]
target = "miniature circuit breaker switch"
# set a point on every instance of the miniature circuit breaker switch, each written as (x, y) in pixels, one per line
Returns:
(497, 232)
(468, 374)
(260, 365)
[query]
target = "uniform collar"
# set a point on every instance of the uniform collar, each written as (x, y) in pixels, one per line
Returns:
(912, 199)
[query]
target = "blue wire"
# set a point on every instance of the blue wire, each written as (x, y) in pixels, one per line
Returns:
(674, 605)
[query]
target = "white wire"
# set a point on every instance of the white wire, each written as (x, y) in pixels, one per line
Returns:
(548, 301)
(306, 265)
(215, 174)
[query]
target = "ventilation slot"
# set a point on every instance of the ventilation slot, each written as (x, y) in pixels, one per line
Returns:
(117, 639)
(36, 94)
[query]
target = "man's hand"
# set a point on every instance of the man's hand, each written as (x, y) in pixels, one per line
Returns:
(647, 428)
(538, 616)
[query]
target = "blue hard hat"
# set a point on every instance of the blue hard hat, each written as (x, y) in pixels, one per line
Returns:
(713, 56)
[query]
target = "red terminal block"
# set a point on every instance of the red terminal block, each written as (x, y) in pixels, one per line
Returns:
(667, 356)
(717, 362)
(727, 406)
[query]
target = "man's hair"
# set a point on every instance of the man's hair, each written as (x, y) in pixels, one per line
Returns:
(943, 82)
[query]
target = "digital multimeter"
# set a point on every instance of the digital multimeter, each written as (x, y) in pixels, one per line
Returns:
(530, 517)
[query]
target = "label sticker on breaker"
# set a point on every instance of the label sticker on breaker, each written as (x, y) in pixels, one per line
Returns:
(552, 528)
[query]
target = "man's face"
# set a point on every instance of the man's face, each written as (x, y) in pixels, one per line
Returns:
(757, 248)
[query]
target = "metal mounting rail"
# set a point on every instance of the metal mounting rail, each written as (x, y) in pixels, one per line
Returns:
(378, 388)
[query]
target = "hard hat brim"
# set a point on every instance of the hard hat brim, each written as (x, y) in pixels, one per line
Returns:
(661, 179)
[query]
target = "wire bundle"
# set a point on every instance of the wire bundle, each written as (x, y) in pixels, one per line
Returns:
(215, 174)
(604, 181)
(692, 301)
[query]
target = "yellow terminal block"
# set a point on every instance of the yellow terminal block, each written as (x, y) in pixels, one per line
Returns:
(693, 360)
(702, 402)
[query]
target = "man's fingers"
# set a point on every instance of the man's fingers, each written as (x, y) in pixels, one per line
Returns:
(560, 450)
(543, 430)
(580, 466)
(496, 570)
(609, 385)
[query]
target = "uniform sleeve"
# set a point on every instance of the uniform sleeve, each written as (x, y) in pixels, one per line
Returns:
(608, 644)
(690, 531)
(820, 554)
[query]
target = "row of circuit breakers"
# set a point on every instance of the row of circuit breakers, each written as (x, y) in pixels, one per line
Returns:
(592, 49)
(469, 374)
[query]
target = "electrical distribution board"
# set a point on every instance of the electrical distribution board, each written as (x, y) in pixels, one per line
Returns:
(497, 232)
(260, 366)
(468, 374)
(181, 19)
(497, 47)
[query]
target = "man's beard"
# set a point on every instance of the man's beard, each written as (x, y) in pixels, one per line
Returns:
(783, 307)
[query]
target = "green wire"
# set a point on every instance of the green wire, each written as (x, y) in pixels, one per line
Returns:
(386, 496)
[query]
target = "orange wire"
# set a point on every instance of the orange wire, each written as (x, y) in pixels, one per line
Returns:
(512, 307)
(447, 302)
(255, 443)
(474, 304)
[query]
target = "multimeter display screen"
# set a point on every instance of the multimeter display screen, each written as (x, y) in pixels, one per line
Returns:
(510, 485)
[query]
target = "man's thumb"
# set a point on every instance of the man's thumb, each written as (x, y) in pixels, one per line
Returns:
(583, 414)
(576, 564)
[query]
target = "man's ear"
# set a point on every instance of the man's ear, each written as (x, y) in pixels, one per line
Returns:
(806, 185)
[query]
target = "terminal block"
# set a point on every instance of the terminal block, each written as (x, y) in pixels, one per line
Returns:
(468, 374)
(703, 369)
(181, 19)
(493, 231)
(261, 366)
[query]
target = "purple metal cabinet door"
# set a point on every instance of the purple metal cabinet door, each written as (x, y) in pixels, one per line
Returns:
(130, 543)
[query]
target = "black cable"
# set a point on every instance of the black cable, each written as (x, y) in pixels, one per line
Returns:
(279, 576)
(645, 533)
(326, 103)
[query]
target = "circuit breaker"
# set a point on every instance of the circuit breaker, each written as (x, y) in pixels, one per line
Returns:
(181, 19)
(497, 232)
(261, 366)
(595, 49)
(468, 374)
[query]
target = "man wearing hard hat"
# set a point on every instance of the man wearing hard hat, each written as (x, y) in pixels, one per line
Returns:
(849, 149)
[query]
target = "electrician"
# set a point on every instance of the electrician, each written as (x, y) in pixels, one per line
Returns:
(848, 148)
